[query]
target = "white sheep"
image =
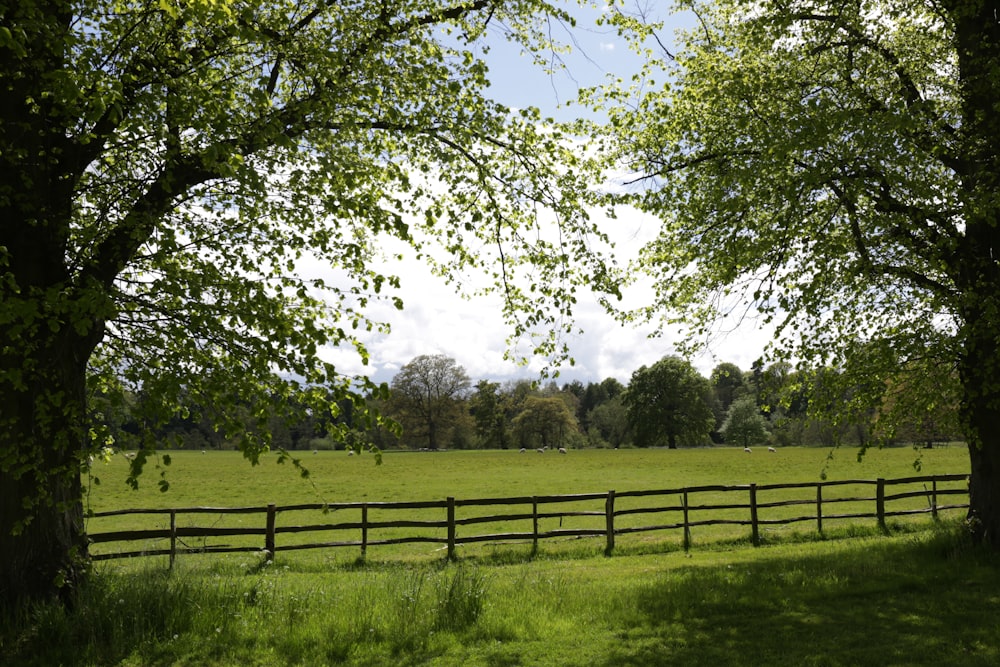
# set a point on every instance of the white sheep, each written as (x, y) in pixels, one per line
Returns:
(350, 452)
(540, 450)
(523, 450)
(771, 449)
(746, 449)
(562, 450)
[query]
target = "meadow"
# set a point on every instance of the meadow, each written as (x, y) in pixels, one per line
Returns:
(225, 479)
(921, 595)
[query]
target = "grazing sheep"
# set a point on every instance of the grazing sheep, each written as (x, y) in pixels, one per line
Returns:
(562, 450)
(350, 452)
(523, 450)
(746, 449)
(315, 451)
(540, 450)
(203, 451)
(771, 449)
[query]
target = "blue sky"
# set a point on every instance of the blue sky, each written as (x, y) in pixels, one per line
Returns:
(436, 321)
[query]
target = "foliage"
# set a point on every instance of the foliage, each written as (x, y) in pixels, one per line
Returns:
(668, 404)
(544, 421)
(744, 425)
(486, 405)
(728, 384)
(609, 421)
(195, 196)
(427, 394)
(834, 168)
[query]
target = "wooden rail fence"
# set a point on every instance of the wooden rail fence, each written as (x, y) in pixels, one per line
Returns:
(688, 507)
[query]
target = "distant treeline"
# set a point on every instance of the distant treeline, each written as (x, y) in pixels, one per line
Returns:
(667, 404)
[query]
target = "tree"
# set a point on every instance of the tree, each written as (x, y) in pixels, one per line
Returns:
(595, 395)
(544, 421)
(430, 391)
(487, 405)
(835, 166)
(171, 176)
(744, 425)
(727, 384)
(668, 404)
(609, 422)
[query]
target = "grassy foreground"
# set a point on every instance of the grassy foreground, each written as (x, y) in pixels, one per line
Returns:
(923, 598)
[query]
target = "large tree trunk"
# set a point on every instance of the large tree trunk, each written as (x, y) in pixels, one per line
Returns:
(43, 438)
(979, 370)
(977, 46)
(49, 326)
(43, 549)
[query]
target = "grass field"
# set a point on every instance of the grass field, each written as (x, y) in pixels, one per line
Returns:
(225, 479)
(921, 595)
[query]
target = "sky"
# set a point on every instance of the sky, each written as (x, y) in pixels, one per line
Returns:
(435, 320)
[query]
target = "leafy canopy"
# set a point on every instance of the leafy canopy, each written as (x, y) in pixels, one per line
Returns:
(228, 171)
(808, 163)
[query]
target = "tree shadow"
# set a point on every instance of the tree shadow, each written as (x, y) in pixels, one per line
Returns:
(893, 605)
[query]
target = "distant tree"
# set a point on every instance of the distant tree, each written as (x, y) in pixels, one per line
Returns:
(744, 425)
(917, 417)
(595, 395)
(576, 388)
(609, 422)
(668, 404)
(727, 384)
(612, 387)
(771, 384)
(428, 392)
(544, 421)
(487, 406)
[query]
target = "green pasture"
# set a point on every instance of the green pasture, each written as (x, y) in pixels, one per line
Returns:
(224, 479)
(922, 598)
(921, 595)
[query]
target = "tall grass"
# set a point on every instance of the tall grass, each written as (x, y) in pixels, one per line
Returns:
(927, 597)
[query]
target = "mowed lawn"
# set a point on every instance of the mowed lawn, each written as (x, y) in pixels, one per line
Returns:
(225, 479)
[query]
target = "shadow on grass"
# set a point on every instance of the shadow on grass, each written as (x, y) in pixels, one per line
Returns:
(930, 603)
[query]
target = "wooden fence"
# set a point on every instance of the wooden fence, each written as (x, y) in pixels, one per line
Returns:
(602, 515)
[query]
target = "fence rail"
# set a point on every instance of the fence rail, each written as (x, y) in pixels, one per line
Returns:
(618, 514)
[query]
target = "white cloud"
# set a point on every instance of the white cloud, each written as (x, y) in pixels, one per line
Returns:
(436, 320)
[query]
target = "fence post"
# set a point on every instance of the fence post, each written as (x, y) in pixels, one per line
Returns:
(534, 525)
(269, 537)
(173, 537)
(819, 508)
(609, 520)
(880, 503)
(364, 530)
(754, 533)
(687, 525)
(934, 512)
(451, 528)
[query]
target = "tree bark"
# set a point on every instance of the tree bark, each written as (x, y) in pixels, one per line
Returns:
(43, 438)
(981, 416)
(977, 44)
